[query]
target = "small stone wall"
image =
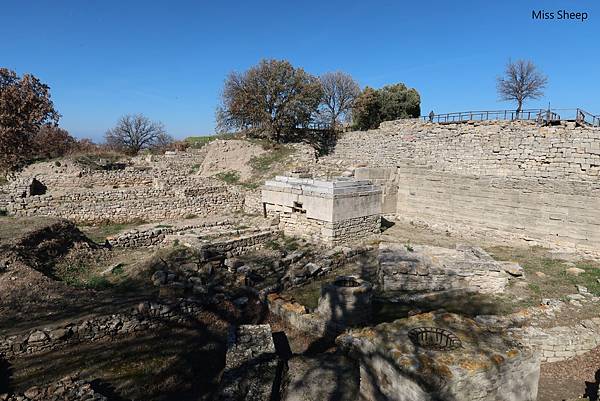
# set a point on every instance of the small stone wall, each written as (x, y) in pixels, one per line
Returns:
(240, 245)
(147, 316)
(154, 236)
(561, 342)
(66, 389)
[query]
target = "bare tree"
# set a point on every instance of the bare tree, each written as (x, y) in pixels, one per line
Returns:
(521, 81)
(136, 132)
(339, 92)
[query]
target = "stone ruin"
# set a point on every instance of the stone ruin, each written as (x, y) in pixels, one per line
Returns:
(346, 300)
(440, 355)
(331, 212)
(421, 268)
(251, 364)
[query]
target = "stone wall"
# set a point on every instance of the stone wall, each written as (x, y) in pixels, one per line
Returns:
(155, 235)
(561, 342)
(513, 179)
(147, 316)
(130, 204)
(241, 244)
(547, 211)
(331, 233)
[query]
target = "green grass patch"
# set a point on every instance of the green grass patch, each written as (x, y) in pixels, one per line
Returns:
(100, 161)
(101, 232)
(264, 163)
(230, 177)
(554, 282)
(197, 142)
(97, 283)
(195, 168)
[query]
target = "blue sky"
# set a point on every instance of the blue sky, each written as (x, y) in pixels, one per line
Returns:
(167, 60)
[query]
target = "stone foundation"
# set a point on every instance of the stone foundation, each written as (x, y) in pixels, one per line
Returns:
(331, 233)
(420, 268)
(562, 342)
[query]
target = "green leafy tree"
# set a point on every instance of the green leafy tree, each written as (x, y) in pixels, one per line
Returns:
(397, 101)
(270, 100)
(25, 107)
(392, 102)
(366, 112)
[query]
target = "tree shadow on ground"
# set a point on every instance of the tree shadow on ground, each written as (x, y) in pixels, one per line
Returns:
(591, 388)
(5, 376)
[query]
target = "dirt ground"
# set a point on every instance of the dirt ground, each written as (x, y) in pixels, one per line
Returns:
(571, 379)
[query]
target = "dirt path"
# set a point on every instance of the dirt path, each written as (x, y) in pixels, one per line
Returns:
(570, 379)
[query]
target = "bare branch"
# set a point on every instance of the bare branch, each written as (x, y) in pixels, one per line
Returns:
(521, 81)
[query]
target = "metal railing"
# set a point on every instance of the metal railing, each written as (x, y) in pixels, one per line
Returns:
(538, 115)
(585, 118)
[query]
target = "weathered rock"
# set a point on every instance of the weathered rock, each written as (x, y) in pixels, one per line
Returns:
(321, 378)
(514, 269)
(251, 365)
(479, 364)
(422, 268)
(574, 271)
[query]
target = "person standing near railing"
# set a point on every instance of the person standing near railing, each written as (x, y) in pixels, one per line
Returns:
(431, 115)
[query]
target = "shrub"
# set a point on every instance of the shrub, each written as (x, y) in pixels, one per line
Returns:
(392, 102)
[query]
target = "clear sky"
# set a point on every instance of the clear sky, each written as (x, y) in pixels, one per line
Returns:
(168, 59)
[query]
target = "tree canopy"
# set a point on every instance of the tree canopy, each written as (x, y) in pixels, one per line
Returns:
(136, 132)
(270, 100)
(340, 91)
(392, 102)
(25, 106)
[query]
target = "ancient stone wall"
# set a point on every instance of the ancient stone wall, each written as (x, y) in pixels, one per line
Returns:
(129, 204)
(561, 342)
(545, 210)
(155, 235)
(146, 316)
(514, 179)
(332, 233)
